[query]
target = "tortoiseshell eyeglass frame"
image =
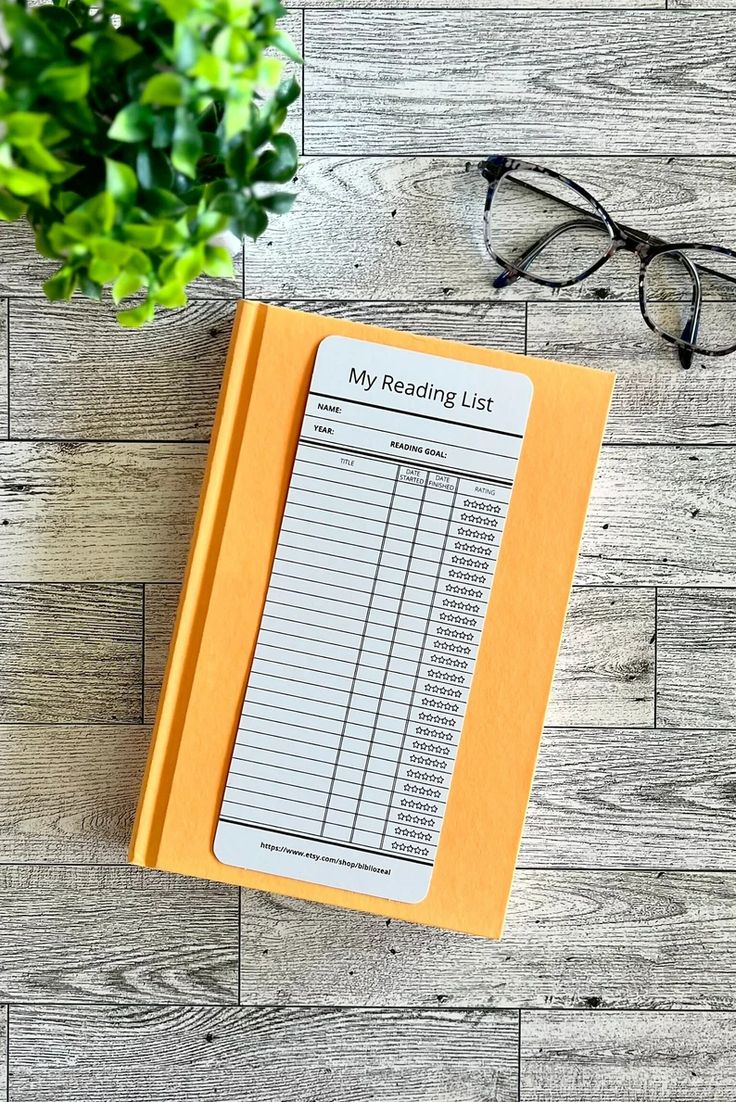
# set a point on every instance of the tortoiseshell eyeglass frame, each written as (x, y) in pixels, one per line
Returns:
(644, 245)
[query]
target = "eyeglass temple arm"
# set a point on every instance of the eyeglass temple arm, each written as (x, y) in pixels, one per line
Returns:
(690, 329)
(628, 232)
(509, 276)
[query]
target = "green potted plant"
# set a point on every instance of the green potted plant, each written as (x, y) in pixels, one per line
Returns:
(138, 136)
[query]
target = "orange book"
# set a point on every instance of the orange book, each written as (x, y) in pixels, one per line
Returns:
(369, 622)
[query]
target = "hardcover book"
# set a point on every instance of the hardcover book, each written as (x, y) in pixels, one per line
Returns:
(372, 608)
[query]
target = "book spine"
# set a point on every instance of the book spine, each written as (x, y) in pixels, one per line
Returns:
(214, 499)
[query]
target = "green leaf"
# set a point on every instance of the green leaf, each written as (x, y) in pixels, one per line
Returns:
(96, 215)
(43, 245)
(61, 285)
(209, 223)
(278, 165)
(190, 265)
(103, 271)
(132, 124)
(24, 127)
(24, 183)
(187, 147)
(66, 201)
(255, 221)
(153, 169)
(120, 181)
(65, 82)
(165, 90)
(283, 42)
(213, 70)
(137, 316)
(218, 262)
(29, 36)
(10, 207)
(238, 111)
(37, 156)
(127, 283)
(162, 203)
(109, 46)
(187, 46)
(287, 92)
(177, 10)
(280, 202)
(171, 294)
(89, 288)
(142, 235)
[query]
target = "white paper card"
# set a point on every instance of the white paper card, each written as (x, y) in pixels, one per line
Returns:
(355, 703)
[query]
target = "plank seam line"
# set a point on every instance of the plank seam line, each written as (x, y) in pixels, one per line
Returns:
(143, 653)
(518, 1059)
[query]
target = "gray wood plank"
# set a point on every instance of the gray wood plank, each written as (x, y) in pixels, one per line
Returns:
(631, 1057)
(293, 24)
(161, 605)
(696, 659)
(124, 511)
(75, 374)
(461, 5)
(427, 82)
(4, 369)
(605, 669)
(97, 512)
(655, 400)
(23, 271)
(141, 1054)
(661, 514)
(576, 939)
(116, 934)
(411, 228)
(501, 324)
(4, 1011)
(71, 653)
(635, 798)
(69, 791)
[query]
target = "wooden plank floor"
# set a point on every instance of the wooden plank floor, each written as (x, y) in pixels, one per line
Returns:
(616, 978)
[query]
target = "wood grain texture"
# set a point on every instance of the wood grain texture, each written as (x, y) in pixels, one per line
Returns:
(696, 683)
(4, 369)
(69, 791)
(75, 374)
(631, 1057)
(661, 515)
(501, 324)
(4, 1011)
(632, 798)
(655, 401)
(605, 669)
(161, 605)
(461, 5)
(71, 653)
(424, 82)
(97, 512)
(204, 1054)
(576, 939)
(116, 511)
(23, 272)
(410, 228)
(116, 934)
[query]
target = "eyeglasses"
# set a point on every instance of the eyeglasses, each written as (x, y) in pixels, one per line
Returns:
(539, 225)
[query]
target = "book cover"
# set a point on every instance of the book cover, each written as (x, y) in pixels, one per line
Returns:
(371, 613)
